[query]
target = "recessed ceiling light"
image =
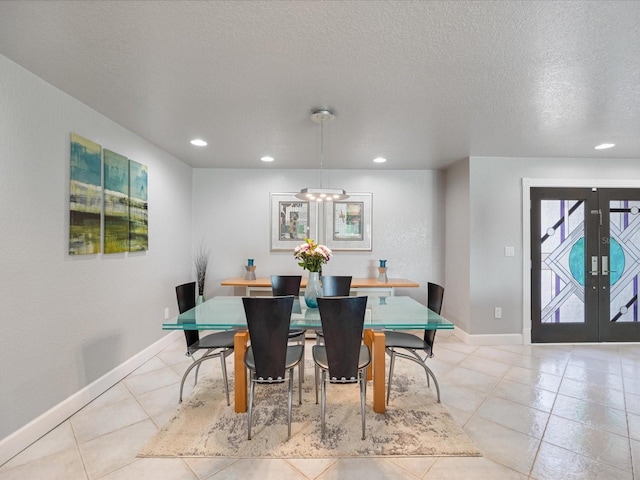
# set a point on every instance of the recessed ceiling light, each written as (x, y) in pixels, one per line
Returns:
(379, 160)
(602, 146)
(267, 159)
(198, 143)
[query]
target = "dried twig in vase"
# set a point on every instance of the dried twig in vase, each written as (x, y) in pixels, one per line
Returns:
(201, 260)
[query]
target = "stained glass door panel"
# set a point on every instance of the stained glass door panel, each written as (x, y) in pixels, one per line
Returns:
(585, 264)
(562, 288)
(561, 261)
(620, 250)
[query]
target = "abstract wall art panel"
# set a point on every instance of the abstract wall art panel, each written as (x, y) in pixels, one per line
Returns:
(116, 202)
(85, 196)
(348, 223)
(292, 221)
(138, 218)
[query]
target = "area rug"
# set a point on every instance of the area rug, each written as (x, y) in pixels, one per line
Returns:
(414, 424)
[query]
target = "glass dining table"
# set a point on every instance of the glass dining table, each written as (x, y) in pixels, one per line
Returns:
(383, 313)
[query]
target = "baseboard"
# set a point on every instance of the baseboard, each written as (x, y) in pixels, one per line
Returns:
(32, 431)
(489, 339)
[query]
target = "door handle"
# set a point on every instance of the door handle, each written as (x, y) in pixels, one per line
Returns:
(605, 265)
(594, 266)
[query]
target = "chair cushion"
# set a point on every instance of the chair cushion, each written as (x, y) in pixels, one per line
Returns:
(395, 339)
(296, 332)
(320, 357)
(294, 355)
(215, 340)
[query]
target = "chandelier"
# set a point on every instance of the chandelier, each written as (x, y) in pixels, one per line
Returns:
(321, 194)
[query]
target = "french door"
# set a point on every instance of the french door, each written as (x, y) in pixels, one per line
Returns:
(585, 264)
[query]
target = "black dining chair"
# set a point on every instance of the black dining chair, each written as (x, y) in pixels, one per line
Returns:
(282, 285)
(332, 286)
(412, 344)
(269, 357)
(343, 355)
(336, 285)
(214, 345)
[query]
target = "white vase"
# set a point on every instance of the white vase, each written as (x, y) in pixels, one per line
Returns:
(313, 290)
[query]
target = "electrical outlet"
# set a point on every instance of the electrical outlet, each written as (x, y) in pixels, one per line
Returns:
(498, 313)
(166, 313)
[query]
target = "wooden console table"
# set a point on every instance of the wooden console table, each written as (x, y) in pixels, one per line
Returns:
(359, 286)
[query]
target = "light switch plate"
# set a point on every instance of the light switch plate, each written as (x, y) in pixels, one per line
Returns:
(509, 251)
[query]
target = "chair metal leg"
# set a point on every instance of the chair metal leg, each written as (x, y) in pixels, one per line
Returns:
(250, 414)
(364, 372)
(290, 402)
(301, 364)
(422, 361)
(416, 359)
(299, 390)
(184, 377)
(319, 341)
(323, 401)
(391, 365)
(363, 387)
(195, 382)
(223, 364)
(206, 354)
(300, 340)
(196, 365)
(430, 373)
(316, 379)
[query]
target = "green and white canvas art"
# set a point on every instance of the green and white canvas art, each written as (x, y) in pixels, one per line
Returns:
(138, 218)
(116, 202)
(85, 196)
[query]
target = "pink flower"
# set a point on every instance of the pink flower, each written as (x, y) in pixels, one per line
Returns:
(311, 255)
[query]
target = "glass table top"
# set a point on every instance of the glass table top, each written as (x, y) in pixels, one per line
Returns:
(390, 313)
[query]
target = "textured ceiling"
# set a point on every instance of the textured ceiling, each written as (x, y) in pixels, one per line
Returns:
(423, 84)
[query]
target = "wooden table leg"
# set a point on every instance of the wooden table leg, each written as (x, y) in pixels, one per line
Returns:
(240, 340)
(378, 372)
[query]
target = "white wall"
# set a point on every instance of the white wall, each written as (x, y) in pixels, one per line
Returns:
(496, 222)
(68, 320)
(232, 212)
(456, 305)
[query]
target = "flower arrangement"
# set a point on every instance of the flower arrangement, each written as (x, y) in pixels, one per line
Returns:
(311, 255)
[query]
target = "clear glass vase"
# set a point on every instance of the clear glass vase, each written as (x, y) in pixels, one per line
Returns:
(313, 290)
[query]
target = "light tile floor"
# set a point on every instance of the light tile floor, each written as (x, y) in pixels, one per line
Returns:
(539, 412)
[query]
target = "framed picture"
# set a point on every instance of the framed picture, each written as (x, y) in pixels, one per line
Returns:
(292, 221)
(348, 223)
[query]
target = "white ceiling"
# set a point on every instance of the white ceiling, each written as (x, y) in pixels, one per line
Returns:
(423, 84)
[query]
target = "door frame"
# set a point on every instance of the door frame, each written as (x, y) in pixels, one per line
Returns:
(527, 184)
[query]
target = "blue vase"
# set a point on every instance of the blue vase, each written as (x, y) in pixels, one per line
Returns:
(313, 290)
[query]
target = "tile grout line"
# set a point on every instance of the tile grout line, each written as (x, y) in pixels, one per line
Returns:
(626, 416)
(535, 457)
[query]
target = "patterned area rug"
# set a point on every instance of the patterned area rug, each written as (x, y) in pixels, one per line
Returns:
(414, 423)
